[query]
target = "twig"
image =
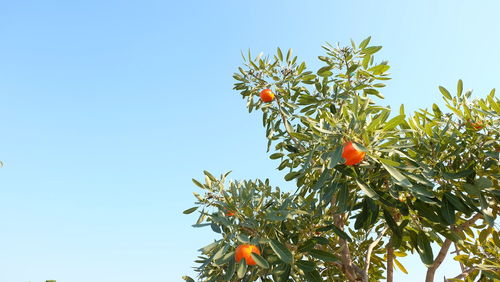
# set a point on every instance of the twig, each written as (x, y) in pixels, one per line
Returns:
(431, 271)
(462, 275)
(347, 265)
(369, 253)
(390, 262)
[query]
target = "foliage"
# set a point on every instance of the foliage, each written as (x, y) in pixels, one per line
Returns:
(427, 178)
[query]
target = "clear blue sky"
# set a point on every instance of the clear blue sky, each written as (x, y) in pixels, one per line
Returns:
(109, 108)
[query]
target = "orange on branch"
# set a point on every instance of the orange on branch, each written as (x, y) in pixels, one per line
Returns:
(244, 251)
(266, 95)
(351, 155)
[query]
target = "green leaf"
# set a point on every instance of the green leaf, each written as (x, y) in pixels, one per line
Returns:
(186, 278)
(301, 67)
(308, 77)
(388, 162)
(307, 245)
(280, 54)
(486, 211)
(371, 49)
(325, 71)
(483, 183)
(306, 265)
(209, 175)
(221, 252)
(376, 70)
(401, 180)
(337, 231)
(313, 276)
(341, 233)
(436, 110)
(342, 198)
(225, 259)
(368, 191)
(276, 156)
(447, 211)
(457, 175)
(243, 238)
(242, 269)
(365, 42)
(400, 254)
(457, 203)
(471, 189)
(282, 273)
(209, 247)
(281, 251)
(190, 210)
(400, 266)
(361, 218)
(445, 92)
(392, 123)
(197, 183)
(420, 190)
(260, 261)
(392, 224)
(321, 181)
(289, 54)
(460, 87)
(215, 228)
(426, 210)
(336, 157)
(324, 256)
(424, 249)
(291, 175)
(230, 270)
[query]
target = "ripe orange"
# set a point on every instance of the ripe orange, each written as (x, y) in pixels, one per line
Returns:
(266, 95)
(229, 213)
(351, 155)
(244, 251)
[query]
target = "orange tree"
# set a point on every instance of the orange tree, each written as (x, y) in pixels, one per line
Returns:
(370, 186)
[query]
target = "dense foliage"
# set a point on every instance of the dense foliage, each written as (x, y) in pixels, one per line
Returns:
(427, 178)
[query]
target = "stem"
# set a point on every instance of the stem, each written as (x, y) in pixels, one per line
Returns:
(464, 274)
(369, 254)
(390, 262)
(347, 266)
(431, 271)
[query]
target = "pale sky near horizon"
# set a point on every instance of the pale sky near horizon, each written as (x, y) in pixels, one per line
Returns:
(109, 108)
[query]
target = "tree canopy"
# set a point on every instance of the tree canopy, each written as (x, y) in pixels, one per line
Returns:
(426, 178)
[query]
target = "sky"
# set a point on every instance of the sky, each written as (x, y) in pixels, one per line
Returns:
(109, 108)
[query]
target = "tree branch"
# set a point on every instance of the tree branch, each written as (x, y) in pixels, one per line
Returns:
(431, 271)
(390, 262)
(347, 266)
(462, 275)
(369, 253)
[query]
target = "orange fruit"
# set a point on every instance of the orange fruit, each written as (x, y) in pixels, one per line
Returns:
(244, 251)
(266, 95)
(229, 213)
(351, 155)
